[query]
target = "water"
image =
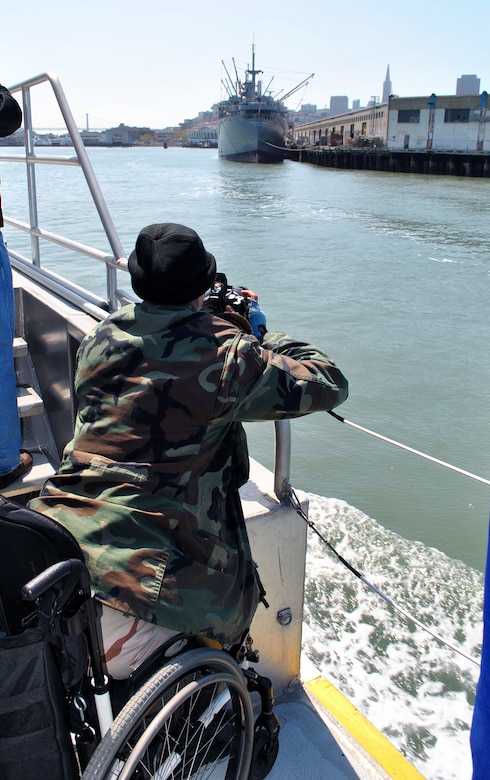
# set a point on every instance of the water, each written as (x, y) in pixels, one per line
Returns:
(389, 274)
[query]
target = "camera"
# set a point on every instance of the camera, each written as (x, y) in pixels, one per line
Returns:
(223, 297)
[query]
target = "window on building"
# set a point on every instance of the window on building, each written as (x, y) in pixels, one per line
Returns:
(408, 115)
(456, 115)
(462, 115)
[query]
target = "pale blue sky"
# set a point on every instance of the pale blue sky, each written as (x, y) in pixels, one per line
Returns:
(157, 62)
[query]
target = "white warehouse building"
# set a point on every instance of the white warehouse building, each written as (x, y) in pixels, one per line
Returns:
(448, 123)
(459, 123)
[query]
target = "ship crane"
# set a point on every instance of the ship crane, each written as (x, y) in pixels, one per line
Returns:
(295, 89)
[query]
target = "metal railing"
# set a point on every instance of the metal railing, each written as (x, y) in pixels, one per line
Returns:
(31, 159)
(80, 297)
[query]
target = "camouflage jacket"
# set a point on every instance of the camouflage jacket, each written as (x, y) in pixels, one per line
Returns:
(149, 483)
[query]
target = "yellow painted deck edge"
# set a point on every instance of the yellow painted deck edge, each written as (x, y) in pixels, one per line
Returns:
(378, 746)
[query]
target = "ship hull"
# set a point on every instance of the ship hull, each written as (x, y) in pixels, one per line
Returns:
(254, 140)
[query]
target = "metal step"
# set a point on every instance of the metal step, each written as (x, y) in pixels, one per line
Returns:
(20, 347)
(36, 433)
(29, 402)
(33, 481)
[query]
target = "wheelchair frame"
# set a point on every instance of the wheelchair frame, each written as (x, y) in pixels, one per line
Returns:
(193, 716)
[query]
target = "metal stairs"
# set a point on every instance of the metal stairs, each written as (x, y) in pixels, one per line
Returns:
(36, 433)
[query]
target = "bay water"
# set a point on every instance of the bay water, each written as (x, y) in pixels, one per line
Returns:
(389, 274)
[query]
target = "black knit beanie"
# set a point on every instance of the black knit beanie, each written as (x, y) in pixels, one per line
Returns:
(170, 265)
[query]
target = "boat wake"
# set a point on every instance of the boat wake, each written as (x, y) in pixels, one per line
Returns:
(413, 688)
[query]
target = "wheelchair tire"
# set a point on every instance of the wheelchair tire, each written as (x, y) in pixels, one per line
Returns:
(192, 720)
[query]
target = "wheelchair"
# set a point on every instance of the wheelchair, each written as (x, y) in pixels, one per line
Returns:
(189, 712)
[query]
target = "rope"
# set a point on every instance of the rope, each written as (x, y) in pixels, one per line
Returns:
(295, 503)
(410, 449)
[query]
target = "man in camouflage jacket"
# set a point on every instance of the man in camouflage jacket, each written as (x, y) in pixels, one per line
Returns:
(149, 483)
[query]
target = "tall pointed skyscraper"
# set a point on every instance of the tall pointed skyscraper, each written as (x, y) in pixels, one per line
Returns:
(386, 86)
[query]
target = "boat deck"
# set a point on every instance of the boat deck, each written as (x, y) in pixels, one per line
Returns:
(314, 744)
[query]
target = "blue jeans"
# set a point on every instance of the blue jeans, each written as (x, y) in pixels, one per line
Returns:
(9, 415)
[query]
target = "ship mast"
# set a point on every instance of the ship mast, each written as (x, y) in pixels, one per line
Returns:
(252, 72)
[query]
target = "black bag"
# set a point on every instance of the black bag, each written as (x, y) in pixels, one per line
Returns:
(34, 734)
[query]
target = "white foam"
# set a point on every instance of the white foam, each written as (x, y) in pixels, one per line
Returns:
(414, 689)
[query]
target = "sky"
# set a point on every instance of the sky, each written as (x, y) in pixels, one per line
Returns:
(157, 62)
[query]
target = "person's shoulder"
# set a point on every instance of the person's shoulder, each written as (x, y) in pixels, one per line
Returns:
(114, 321)
(10, 113)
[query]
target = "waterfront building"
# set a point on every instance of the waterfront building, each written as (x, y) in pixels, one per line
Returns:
(459, 123)
(123, 135)
(93, 138)
(441, 123)
(344, 129)
(205, 137)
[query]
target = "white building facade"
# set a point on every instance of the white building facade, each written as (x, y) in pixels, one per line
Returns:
(458, 123)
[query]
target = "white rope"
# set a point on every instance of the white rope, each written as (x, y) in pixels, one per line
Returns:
(412, 450)
(296, 504)
(417, 622)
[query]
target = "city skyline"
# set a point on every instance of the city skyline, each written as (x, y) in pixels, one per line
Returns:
(163, 65)
(339, 104)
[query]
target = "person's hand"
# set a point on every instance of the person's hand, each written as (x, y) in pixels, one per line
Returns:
(250, 294)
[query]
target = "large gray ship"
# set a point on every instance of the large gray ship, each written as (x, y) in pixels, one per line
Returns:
(253, 125)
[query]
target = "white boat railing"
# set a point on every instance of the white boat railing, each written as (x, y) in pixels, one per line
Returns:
(31, 160)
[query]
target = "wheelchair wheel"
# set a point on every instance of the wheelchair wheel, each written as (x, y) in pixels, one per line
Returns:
(192, 720)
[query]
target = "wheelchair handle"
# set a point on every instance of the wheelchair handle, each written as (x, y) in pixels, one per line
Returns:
(72, 568)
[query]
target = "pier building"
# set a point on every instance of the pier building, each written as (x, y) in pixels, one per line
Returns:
(458, 123)
(449, 123)
(343, 129)
(205, 137)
